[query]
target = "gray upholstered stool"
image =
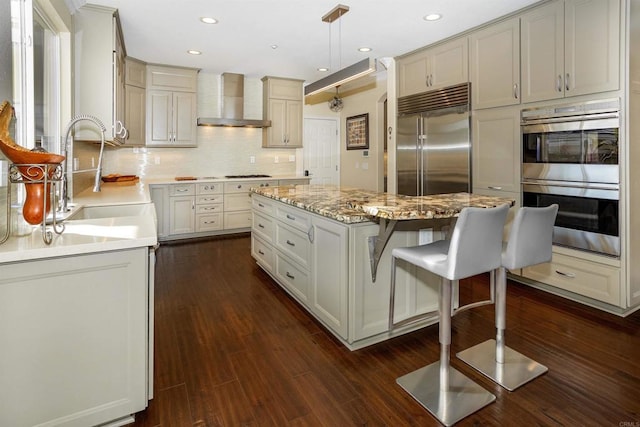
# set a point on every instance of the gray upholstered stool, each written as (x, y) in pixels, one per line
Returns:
(529, 244)
(475, 247)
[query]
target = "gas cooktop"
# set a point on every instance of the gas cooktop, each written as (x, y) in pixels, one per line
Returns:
(259, 175)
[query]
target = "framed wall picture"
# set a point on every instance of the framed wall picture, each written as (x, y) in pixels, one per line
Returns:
(358, 132)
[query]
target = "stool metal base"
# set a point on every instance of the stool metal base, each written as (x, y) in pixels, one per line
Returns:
(516, 370)
(463, 398)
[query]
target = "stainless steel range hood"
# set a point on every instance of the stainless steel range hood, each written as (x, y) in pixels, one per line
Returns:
(233, 106)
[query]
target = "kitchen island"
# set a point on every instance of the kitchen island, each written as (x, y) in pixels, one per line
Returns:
(76, 316)
(329, 247)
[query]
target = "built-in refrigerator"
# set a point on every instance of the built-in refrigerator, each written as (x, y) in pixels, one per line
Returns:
(433, 145)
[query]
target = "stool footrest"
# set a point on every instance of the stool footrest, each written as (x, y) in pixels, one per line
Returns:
(516, 370)
(463, 398)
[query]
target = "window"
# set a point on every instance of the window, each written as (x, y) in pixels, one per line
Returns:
(35, 45)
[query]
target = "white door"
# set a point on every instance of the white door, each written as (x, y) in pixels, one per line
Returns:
(322, 150)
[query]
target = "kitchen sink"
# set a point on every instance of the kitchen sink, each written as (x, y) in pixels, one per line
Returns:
(112, 211)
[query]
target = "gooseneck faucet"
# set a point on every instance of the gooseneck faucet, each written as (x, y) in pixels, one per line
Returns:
(96, 185)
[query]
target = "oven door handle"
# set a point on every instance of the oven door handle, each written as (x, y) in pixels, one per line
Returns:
(571, 184)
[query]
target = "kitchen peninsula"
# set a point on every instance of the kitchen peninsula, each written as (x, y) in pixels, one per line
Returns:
(325, 245)
(76, 316)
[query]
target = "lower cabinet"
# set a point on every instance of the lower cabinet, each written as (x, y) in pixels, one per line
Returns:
(75, 337)
(192, 209)
(586, 277)
(325, 265)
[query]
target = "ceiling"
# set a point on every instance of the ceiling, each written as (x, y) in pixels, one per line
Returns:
(161, 31)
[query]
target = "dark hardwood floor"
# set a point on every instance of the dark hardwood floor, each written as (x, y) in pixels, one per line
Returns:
(233, 349)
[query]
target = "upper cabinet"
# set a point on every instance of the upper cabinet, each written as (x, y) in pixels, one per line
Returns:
(99, 72)
(282, 104)
(434, 68)
(495, 65)
(135, 101)
(171, 106)
(570, 48)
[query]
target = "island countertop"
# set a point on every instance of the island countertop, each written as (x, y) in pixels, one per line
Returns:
(352, 205)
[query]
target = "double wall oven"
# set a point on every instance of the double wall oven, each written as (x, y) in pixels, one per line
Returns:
(570, 157)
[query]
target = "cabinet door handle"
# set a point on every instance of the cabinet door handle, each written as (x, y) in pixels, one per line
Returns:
(559, 83)
(431, 80)
(210, 209)
(209, 222)
(261, 205)
(260, 225)
(193, 204)
(289, 275)
(181, 190)
(566, 82)
(515, 90)
(260, 252)
(493, 187)
(569, 275)
(311, 234)
(290, 243)
(292, 218)
(239, 186)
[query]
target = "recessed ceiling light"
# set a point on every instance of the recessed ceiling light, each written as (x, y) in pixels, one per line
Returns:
(194, 52)
(364, 49)
(208, 20)
(432, 17)
(323, 69)
(274, 46)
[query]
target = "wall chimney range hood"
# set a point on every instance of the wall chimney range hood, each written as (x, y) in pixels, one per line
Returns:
(233, 106)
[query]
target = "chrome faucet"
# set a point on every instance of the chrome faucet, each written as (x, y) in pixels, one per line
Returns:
(96, 185)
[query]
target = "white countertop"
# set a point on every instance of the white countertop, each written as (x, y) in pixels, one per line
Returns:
(91, 235)
(172, 179)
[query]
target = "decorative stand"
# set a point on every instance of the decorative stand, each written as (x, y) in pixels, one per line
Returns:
(45, 174)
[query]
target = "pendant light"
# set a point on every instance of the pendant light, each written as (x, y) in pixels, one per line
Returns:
(336, 103)
(344, 75)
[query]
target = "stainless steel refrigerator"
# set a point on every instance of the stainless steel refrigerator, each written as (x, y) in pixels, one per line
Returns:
(433, 144)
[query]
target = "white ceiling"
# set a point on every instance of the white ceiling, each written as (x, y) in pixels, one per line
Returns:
(161, 31)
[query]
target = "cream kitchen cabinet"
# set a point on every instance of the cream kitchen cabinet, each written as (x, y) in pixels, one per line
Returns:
(434, 68)
(570, 48)
(182, 205)
(282, 104)
(76, 337)
(171, 107)
(135, 102)
(494, 65)
(209, 207)
(99, 73)
(496, 149)
(237, 202)
(160, 198)
(592, 276)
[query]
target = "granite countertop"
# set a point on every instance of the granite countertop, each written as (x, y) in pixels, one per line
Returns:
(351, 205)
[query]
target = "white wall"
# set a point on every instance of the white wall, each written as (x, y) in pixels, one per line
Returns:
(356, 170)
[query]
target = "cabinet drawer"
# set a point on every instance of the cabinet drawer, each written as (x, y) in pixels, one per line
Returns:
(208, 209)
(587, 278)
(240, 219)
(210, 188)
(262, 252)
(294, 217)
(263, 226)
(237, 202)
(293, 243)
(245, 186)
(262, 205)
(209, 222)
(182, 190)
(207, 200)
(295, 280)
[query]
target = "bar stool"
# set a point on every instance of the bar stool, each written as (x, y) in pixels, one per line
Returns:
(529, 244)
(475, 247)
